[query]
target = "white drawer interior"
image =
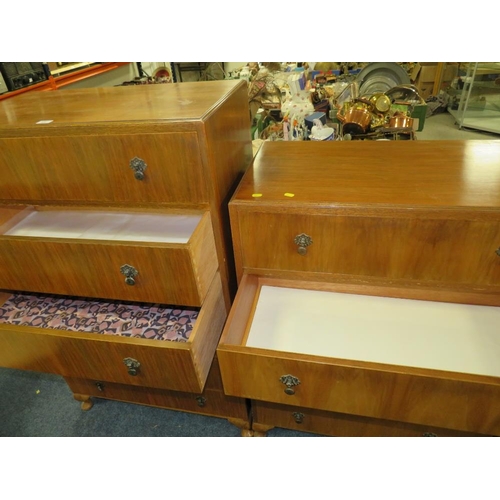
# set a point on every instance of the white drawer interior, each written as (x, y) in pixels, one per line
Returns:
(97, 225)
(417, 333)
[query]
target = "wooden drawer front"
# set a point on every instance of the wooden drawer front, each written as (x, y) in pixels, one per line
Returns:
(171, 273)
(209, 402)
(182, 366)
(455, 251)
(359, 386)
(268, 415)
(371, 393)
(97, 168)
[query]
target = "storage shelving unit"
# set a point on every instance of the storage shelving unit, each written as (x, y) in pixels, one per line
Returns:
(479, 105)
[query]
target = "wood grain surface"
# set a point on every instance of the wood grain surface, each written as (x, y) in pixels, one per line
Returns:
(451, 251)
(194, 138)
(457, 401)
(182, 366)
(169, 273)
(137, 103)
(375, 174)
(269, 415)
(422, 211)
(73, 149)
(227, 151)
(386, 393)
(413, 219)
(214, 402)
(90, 168)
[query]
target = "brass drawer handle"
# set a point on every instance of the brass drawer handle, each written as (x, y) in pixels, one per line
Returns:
(138, 165)
(132, 365)
(302, 241)
(497, 251)
(298, 417)
(290, 381)
(130, 272)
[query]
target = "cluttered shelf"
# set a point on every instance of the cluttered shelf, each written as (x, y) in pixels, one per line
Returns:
(39, 77)
(365, 101)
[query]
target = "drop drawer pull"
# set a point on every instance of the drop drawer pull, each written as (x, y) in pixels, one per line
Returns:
(130, 272)
(132, 365)
(290, 381)
(138, 165)
(302, 241)
(201, 401)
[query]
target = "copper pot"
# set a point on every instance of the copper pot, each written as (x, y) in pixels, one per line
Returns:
(400, 120)
(355, 120)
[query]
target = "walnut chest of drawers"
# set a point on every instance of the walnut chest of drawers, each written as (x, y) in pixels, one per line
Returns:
(120, 194)
(369, 288)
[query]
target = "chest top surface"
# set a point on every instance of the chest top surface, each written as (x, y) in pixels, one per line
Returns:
(137, 103)
(422, 174)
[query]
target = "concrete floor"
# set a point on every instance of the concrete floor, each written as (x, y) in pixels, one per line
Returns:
(442, 126)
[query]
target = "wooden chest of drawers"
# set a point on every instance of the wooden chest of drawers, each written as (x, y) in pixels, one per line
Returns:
(369, 288)
(120, 194)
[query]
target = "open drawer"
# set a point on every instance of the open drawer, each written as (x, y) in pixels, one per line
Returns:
(135, 344)
(430, 358)
(153, 256)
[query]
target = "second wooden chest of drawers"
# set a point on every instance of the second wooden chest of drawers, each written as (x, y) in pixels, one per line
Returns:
(369, 288)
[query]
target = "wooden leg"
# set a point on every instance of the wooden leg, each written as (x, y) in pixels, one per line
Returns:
(260, 430)
(244, 425)
(87, 403)
(259, 434)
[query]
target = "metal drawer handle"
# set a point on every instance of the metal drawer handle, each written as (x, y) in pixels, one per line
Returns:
(290, 381)
(298, 417)
(497, 251)
(130, 272)
(138, 165)
(133, 366)
(201, 401)
(302, 241)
